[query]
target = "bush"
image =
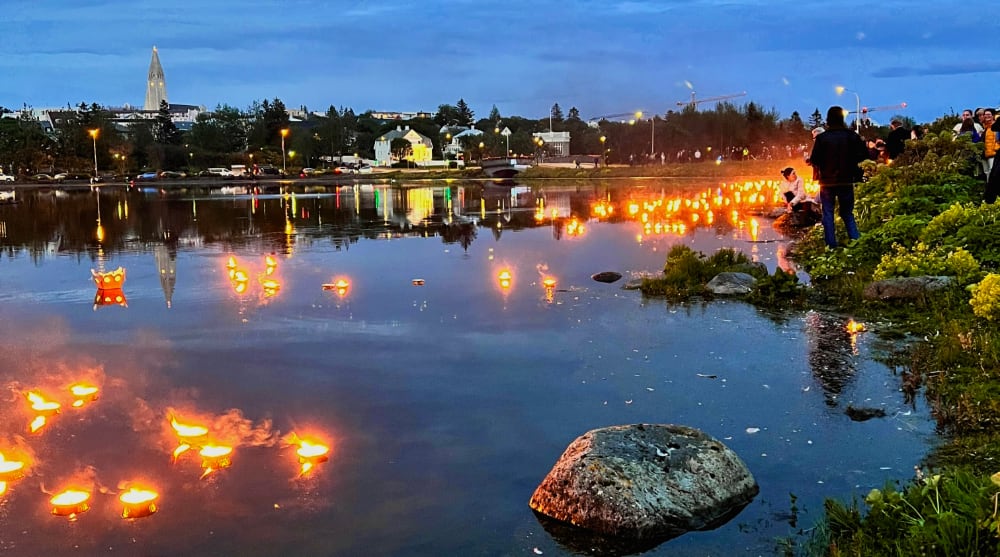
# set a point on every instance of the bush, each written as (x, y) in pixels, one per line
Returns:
(986, 298)
(923, 260)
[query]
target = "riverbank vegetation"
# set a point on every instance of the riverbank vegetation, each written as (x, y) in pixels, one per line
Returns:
(920, 216)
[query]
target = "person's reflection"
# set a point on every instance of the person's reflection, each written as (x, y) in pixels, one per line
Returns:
(831, 356)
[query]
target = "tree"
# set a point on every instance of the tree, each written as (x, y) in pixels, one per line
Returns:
(401, 148)
(494, 114)
(556, 114)
(574, 114)
(816, 120)
(465, 114)
(164, 131)
(447, 115)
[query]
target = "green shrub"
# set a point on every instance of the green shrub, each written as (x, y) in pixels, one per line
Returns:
(923, 260)
(986, 298)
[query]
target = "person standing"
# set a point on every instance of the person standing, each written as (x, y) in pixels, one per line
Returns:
(968, 126)
(991, 144)
(895, 144)
(835, 157)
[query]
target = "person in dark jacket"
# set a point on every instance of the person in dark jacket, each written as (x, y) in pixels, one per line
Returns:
(895, 143)
(835, 158)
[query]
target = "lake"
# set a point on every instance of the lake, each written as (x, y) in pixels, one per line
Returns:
(375, 319)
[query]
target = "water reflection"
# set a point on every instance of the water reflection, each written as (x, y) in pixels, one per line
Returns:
(344, 214)
(832, 353)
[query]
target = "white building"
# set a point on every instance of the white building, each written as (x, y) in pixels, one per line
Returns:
(557, 142)
(422, 148)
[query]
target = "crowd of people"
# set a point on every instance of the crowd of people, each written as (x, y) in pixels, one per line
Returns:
(837, 153)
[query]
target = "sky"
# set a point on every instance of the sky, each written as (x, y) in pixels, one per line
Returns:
(602, 57)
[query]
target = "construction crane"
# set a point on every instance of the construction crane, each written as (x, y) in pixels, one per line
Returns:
(634, 115)
(867, 109)
(694, 102)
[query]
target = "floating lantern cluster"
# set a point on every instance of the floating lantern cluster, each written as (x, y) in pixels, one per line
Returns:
(239, 277)
(43, 407)
(660, 214)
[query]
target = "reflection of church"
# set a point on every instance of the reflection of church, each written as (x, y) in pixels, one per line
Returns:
(166, 268)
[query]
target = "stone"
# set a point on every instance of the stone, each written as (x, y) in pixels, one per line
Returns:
(645, 483)
(731, 283)
(863, 414)
(607, 276)
(906, 288)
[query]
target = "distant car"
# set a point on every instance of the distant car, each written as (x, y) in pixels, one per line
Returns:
(270, 171)
(343, 169)
(307, 172)
(146, 177)
(45, 179)
(172, 175)
(365, 169)
(6, 178)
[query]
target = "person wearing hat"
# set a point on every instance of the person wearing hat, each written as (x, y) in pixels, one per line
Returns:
(793, 190)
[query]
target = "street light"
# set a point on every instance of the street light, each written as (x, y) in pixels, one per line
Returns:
(444, 145)
(284, 134)
(93, 134)
(857, 115)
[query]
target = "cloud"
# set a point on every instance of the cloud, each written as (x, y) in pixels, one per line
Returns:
(938, 69)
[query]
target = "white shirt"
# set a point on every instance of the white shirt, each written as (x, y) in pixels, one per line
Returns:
(958, 128)
(797, 188)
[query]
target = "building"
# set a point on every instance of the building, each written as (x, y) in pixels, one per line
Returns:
(557, 142)
(386, 116)
(156, 84)
(422, 148)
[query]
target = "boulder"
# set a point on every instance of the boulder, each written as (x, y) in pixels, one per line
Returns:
(606, 276)
(906, 288)
(731, 283)
(645, 483)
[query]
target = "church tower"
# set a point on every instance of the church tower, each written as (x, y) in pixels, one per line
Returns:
(156, 85)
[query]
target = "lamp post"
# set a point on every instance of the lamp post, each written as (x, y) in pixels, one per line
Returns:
(93, 135)
(840, 89)
(603, 152)
(284, 134)
(481, 145)
(444, 154)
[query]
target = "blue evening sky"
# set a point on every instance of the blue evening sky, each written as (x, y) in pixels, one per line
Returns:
(602, 57)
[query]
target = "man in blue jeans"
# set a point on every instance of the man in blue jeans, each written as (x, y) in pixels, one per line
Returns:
(835, 158)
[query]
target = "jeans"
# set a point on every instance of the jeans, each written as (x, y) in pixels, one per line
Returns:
(828, 195)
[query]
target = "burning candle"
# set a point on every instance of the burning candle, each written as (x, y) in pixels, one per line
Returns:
(138, 503)
(310, 454)
(215, 457)
(187, 430)
(42, 406)
(231, 264)
(270, 261)
(70, 503)
(83, 394)
(855, 327)
(549, 282)
(10, 470)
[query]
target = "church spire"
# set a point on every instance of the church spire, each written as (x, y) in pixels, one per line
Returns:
(156, 84)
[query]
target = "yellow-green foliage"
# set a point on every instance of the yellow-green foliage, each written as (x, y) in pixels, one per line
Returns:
(986, 298)
(925, 260)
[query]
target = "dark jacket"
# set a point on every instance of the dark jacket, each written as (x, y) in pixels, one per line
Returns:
(835, 157)
(895, 143)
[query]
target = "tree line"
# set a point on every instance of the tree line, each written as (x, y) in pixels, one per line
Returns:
(230, 135)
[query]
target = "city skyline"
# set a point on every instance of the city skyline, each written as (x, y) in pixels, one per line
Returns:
(602, 58)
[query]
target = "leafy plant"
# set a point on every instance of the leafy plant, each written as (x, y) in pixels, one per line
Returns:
(985, 300)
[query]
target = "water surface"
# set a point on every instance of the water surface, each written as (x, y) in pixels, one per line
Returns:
(445, 404)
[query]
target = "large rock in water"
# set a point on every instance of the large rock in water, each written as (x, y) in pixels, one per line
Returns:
(645, 482)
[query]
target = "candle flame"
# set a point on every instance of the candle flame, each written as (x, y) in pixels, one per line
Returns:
(3, 488)
(215, 457)
(42, 405)
(70, 502)
(310, 454)
(181, 449)
(231, 264)
(854, 327)
(270, 261)
(187, 430)
(137, 496)
(549, 282)
(37, 423)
